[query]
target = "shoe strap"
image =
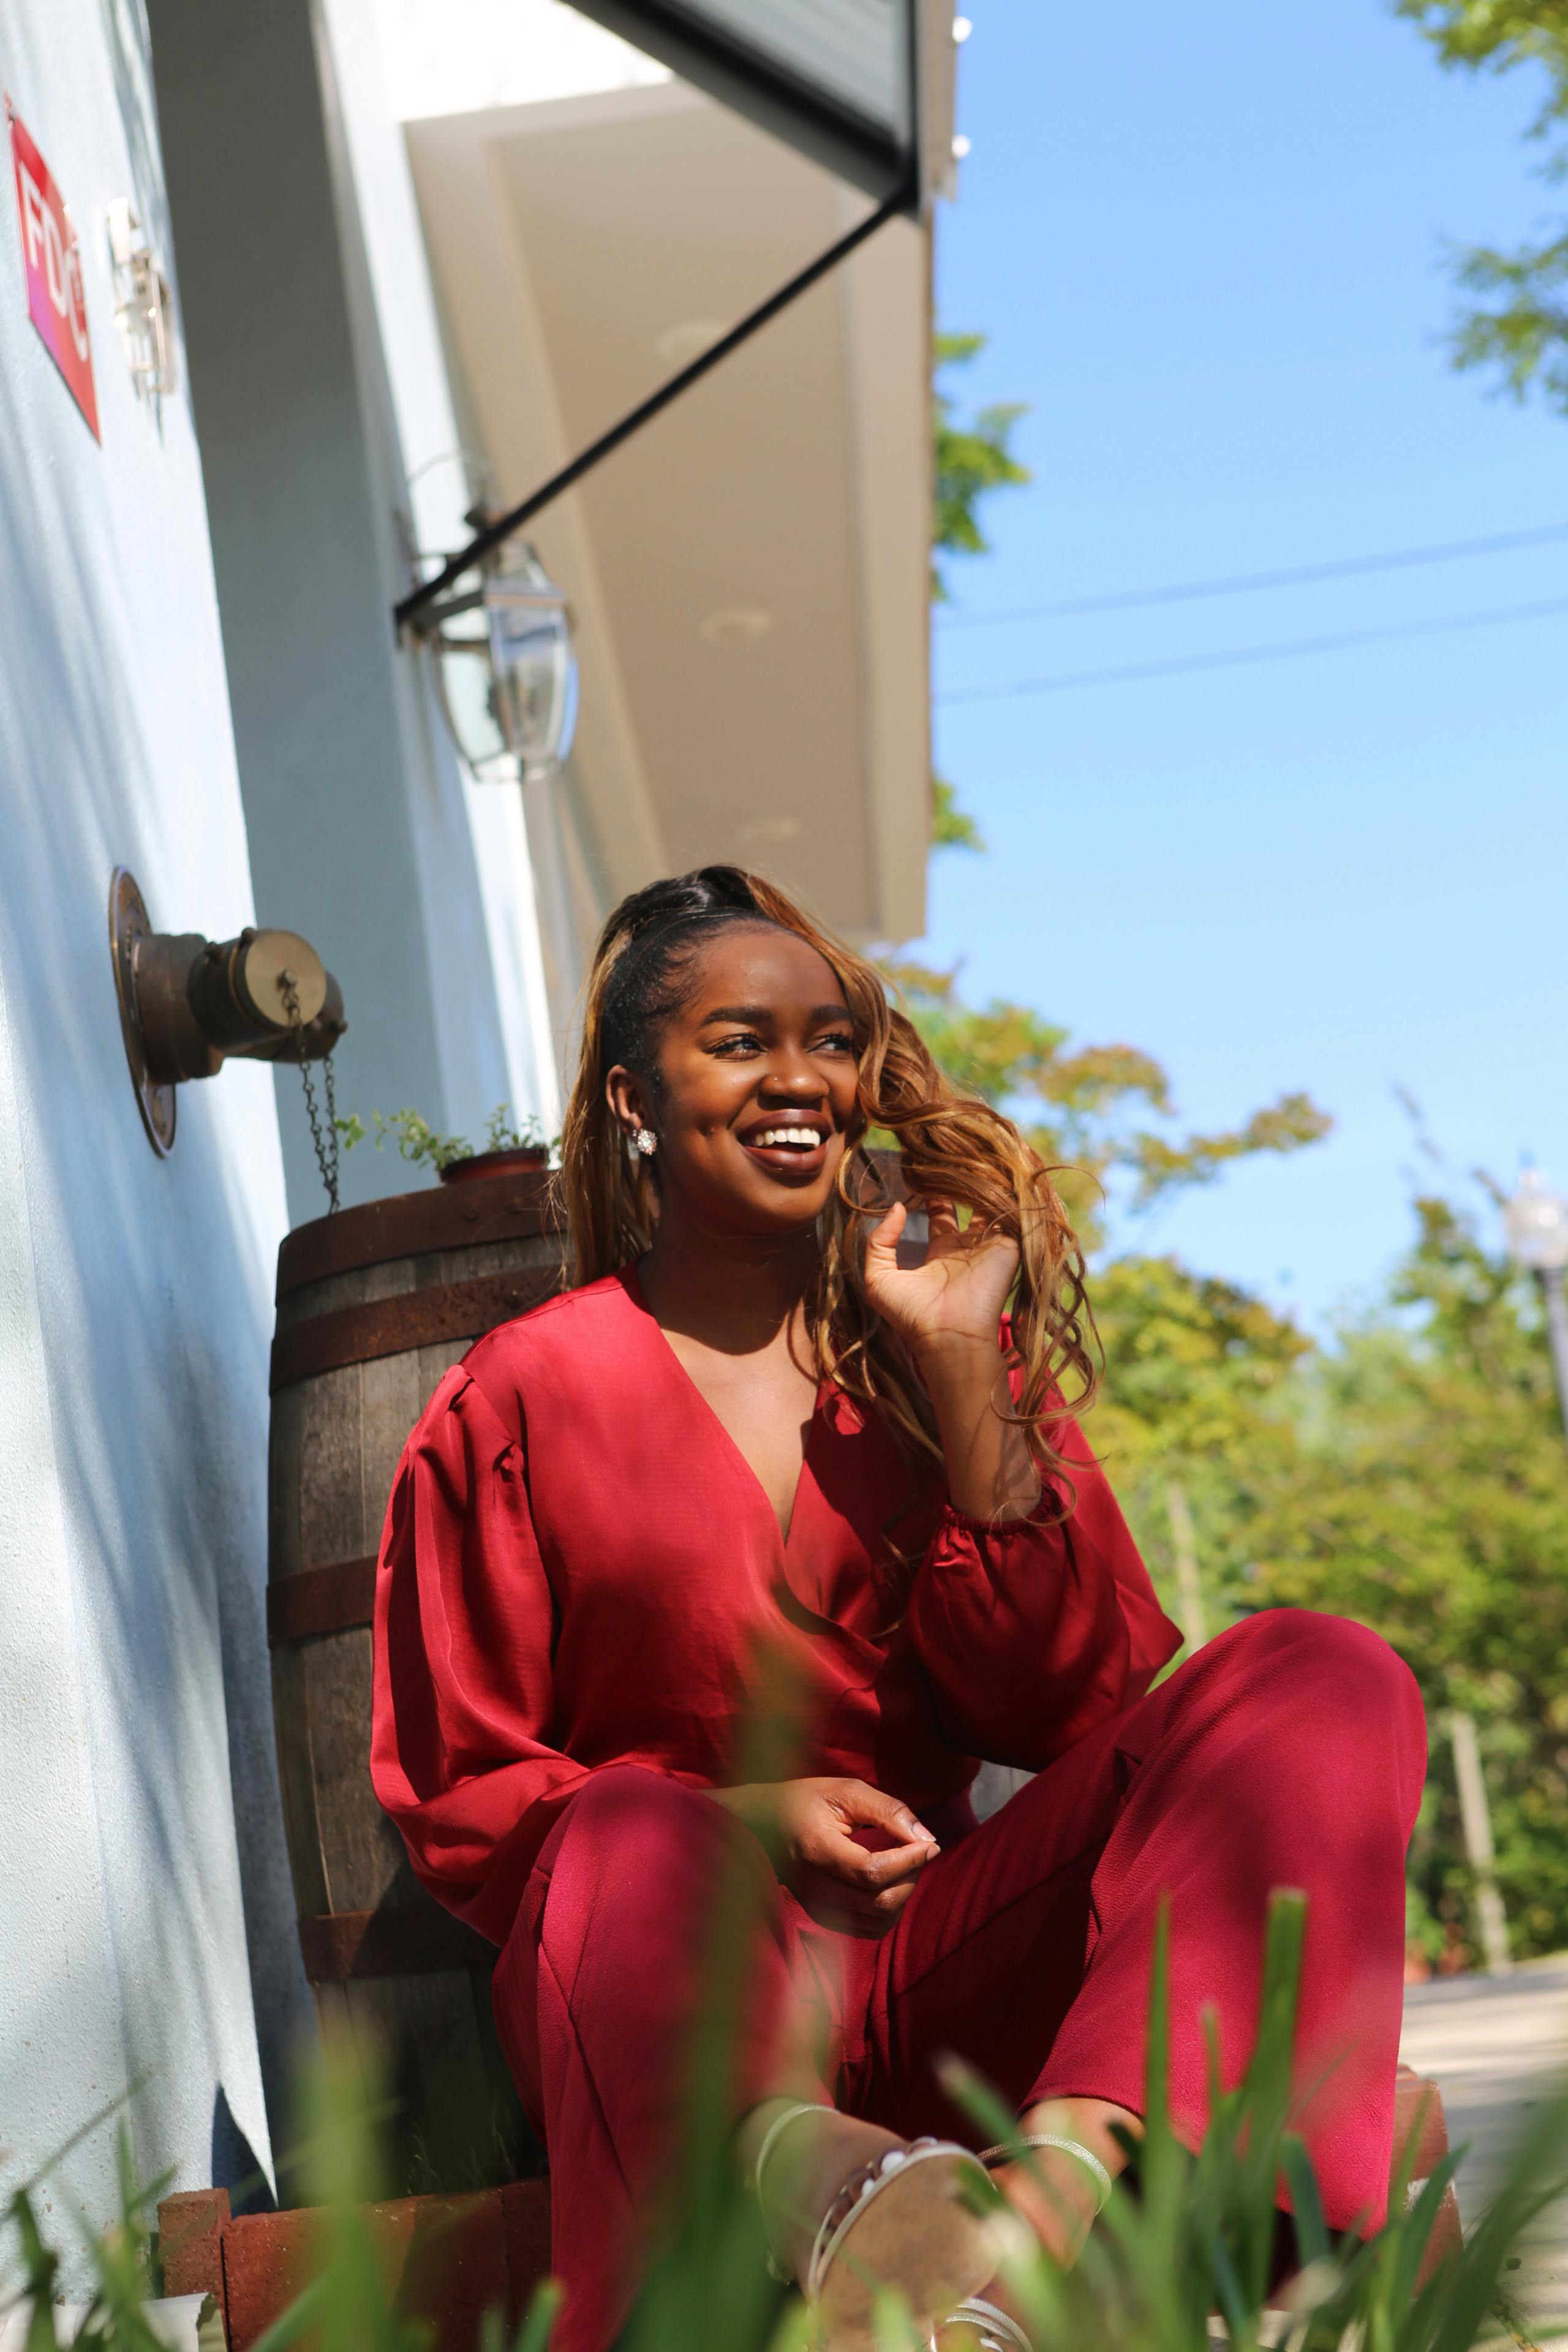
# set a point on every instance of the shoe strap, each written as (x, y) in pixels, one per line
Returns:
(997, 2330)
(1007, 2150)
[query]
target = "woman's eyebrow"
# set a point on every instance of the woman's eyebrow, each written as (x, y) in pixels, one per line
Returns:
(758, 1013)
(753, 1013)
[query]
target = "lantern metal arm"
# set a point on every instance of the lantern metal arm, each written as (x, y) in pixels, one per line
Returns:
(407, 612)
(429, 625)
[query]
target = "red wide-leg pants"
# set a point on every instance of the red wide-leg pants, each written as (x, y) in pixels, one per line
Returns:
(1290, 1751)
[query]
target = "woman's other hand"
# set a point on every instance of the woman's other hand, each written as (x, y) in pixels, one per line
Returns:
(851, 1853)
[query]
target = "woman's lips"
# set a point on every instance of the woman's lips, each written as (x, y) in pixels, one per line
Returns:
(793, 1158)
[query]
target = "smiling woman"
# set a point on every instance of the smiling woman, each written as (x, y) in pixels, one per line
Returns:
(749, 1451)
(716, 1011)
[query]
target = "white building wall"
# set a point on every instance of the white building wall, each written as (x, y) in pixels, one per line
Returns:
(438, 496)
(134, 1294)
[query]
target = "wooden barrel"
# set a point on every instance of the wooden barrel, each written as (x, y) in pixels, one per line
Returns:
(374, 1306)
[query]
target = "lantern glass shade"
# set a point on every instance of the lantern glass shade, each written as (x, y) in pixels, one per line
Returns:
(507, 674)
(532, 667)
(1536, 1220)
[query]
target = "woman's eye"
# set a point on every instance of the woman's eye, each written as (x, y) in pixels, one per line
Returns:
(747, 1043)
(840, 1042)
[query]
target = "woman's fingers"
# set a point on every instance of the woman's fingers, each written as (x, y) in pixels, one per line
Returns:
(883, 1243)
(941, 1225)
(830, 1842)
(835, 1851)
(871, 1808)
(867, 1901)
(874, 1871)
(833, 1906)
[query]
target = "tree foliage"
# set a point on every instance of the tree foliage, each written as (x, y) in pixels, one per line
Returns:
(1409, 1473)
(971, 459)
(951, 827)
(973, 456)
(1520, 323)
(1427, 1493)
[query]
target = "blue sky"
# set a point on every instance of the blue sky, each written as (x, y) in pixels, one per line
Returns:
(1206, 247)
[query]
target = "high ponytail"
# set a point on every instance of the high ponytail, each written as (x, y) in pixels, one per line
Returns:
(953, 1146)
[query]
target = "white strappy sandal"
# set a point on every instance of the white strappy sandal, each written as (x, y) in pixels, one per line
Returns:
(997, 2330)
(911, 2220)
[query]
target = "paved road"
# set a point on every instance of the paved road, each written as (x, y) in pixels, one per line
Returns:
(1495, 2044)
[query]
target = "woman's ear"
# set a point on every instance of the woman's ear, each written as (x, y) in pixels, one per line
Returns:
(624, 1093)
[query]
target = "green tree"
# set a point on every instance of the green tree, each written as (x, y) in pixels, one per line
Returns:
(1426, 1493)
(974, 455)
(1519, 324)
(972, 458)
(1411, 1473)
(951, 827)
(1191, 1427)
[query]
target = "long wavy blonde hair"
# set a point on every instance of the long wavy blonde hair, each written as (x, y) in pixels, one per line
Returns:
(952, 1146)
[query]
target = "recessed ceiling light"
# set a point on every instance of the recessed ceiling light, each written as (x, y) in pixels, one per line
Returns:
(736, 625)
(688, 339)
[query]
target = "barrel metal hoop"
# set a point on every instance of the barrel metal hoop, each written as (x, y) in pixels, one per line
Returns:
(411, 1224)
(335, 1599)
(403, 1941)
(414, 1319)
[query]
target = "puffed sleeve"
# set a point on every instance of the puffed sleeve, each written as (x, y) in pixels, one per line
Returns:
(464, 1636)
(1032, 1631)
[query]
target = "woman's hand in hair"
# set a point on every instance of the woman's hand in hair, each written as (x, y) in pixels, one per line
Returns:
(948, 1314)
(953, 1302)
(850, 1853)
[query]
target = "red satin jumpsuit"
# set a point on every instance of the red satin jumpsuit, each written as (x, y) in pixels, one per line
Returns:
(578, 1575)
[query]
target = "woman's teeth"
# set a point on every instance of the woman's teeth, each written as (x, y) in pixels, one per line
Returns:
(770, 1136)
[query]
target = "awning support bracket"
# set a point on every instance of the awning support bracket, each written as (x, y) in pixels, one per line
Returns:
(503, 526)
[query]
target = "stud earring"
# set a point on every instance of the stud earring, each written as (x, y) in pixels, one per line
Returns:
(646, 1141)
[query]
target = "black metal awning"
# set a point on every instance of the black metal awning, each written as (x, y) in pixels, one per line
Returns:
(861, 86)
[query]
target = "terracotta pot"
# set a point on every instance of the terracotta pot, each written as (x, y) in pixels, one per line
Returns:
(528, 1160)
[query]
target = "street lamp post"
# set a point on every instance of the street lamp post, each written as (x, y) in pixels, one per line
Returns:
(1536, 1220)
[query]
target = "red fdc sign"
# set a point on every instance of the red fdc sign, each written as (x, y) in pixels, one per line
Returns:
(56, 304)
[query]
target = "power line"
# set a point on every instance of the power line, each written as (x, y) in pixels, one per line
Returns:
(1298, 575)
(1125, 673)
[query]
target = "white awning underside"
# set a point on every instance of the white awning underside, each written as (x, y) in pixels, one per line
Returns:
(749, 573)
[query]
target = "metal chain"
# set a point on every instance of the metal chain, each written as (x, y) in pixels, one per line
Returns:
(327, 1145)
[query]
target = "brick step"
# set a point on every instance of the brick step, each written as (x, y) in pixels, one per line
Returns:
(446, 2258)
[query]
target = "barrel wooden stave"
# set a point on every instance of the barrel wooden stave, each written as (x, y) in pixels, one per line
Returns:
(337, 1437)
(457, 2109)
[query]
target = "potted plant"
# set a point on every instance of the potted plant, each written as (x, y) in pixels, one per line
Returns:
(508, 1149)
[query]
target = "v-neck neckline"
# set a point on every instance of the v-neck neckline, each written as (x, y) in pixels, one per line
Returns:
(632, 1284)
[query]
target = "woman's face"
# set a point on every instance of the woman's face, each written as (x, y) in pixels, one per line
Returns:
(756, 1096)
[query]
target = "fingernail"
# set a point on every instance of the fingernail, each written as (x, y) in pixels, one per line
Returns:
(921, 1831)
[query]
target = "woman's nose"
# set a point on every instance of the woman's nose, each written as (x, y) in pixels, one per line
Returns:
(790, 1074)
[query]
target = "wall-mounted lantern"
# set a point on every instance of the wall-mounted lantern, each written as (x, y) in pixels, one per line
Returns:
(187, 1003)
(505, 670)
